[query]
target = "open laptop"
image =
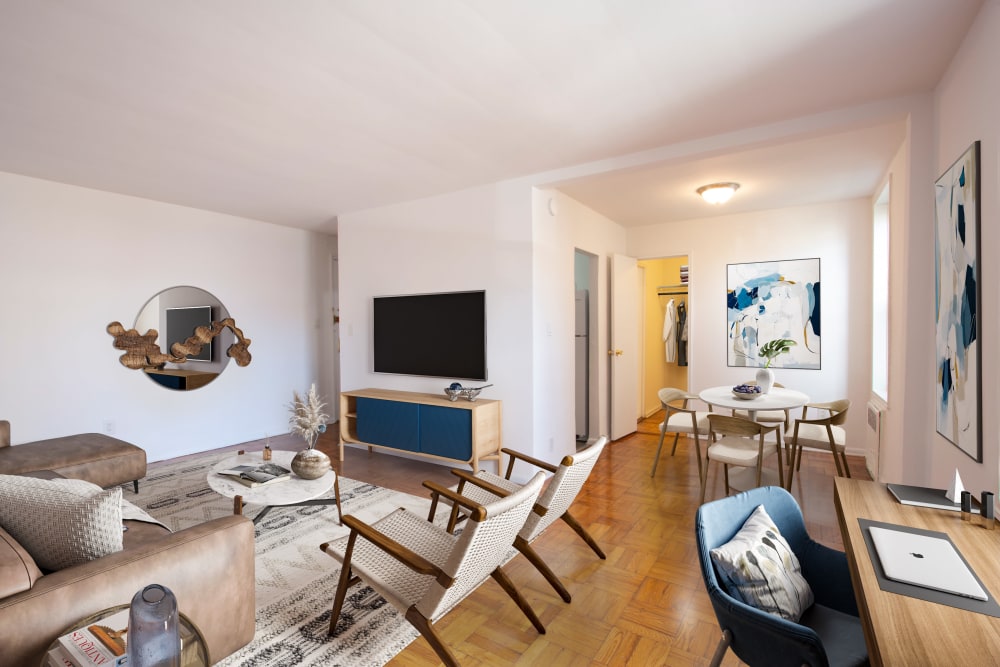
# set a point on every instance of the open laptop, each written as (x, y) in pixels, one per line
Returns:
(923, 560)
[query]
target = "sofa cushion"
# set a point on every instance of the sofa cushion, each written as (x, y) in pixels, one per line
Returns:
(18, 571)
(759, 568)
(95, 457)
(61, 522)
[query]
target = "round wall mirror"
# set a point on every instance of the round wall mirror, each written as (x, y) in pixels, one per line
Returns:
(174, 314)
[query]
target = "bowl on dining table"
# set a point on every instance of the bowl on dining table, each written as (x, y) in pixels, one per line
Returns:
(747, 392)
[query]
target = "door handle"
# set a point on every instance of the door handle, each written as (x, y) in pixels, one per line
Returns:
(616, 353)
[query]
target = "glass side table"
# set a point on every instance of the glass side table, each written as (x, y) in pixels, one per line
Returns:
(194, 648)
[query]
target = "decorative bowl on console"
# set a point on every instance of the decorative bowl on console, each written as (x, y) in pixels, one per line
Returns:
(456, 391)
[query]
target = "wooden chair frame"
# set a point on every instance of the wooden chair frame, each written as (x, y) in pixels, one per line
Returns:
(667, 396)
(419, 564)
(837, 415)
(521, 543)
(741, 427)
(765, 418)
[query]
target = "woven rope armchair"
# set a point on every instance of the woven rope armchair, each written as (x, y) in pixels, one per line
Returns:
(424, 570)
(567, 480)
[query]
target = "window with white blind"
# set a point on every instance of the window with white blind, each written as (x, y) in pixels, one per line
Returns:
(880, 296)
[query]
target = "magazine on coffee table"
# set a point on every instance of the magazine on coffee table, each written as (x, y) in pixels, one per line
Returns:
(257, 474)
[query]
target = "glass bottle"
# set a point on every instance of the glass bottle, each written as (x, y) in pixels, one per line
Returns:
(153, 635)
(267, 448)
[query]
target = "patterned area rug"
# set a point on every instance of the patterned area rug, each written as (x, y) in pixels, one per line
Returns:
(296, 582)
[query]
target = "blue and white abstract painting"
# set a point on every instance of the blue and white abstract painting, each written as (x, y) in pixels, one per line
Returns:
(956, 303)
(769, 300)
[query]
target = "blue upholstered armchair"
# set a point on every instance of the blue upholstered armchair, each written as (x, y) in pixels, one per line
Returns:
(828, 633)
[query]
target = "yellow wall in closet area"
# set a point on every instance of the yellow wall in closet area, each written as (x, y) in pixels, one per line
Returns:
(657, 373)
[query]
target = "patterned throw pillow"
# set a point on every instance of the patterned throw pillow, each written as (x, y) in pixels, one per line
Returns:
(61, 522)
(759, 568)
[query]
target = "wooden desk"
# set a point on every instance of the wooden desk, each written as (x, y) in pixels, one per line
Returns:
(901, 630)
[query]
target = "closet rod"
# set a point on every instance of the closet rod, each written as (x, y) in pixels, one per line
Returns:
(666, 290)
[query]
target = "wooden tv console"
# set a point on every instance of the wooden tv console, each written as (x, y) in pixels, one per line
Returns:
(425, 425)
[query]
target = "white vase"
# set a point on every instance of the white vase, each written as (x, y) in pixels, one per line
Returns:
(765, 379)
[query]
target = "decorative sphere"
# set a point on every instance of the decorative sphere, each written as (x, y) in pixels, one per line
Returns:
(455, 385)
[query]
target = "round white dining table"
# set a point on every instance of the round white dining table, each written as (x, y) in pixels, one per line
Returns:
(779, 398)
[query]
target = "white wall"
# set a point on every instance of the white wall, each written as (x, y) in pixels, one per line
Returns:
(76, 259)
(591, 232)
(966, 108)
(479, 238)
(838, 233)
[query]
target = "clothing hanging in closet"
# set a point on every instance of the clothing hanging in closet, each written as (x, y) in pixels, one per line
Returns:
(682, 335)
(670, 332)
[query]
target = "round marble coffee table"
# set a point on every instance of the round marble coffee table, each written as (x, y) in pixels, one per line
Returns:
(291, 492)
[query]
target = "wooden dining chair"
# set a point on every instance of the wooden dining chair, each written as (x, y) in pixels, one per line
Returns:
(769, 417)
(822, 433)
(735, 441)
(678, 418)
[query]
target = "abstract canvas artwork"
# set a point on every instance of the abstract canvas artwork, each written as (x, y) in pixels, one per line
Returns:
(769, 300)
(957, 304)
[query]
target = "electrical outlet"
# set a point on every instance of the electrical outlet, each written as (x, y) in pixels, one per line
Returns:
(108, 427)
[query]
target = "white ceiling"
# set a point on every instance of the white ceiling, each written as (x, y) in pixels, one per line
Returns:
(832, 167)
(295, 112)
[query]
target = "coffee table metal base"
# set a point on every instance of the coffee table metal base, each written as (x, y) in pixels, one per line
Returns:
(238, 504)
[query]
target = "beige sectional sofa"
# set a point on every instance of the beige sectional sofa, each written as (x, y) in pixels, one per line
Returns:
(209, 567)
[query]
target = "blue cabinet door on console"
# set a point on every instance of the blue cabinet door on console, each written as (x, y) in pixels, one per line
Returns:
(446, 432)
(390, 423)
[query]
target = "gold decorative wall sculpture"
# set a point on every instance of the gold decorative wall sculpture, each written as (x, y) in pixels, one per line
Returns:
(142, 350)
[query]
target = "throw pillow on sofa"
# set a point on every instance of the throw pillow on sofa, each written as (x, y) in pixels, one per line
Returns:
(761, 569)
(61, 522)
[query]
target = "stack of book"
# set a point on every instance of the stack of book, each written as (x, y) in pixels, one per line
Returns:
(101, 643)
(684, 274)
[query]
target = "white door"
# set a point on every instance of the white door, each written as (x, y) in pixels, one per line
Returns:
(624, 353)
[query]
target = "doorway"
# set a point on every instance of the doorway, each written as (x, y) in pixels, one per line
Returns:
(665, 309)
(585, 274)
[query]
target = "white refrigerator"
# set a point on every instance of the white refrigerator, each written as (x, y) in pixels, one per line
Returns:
(581, 341)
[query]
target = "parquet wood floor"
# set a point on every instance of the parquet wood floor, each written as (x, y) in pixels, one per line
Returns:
(645, 605)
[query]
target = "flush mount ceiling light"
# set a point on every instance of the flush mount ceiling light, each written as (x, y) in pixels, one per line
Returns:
(718, 193)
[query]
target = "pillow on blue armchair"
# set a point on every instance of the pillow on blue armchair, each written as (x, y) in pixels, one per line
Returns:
(759, 568)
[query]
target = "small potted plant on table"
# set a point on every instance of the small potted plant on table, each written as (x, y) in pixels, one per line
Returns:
(770, 350)
(308, 420)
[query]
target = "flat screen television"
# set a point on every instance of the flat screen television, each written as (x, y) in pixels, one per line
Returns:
(181, 323)
(433, 335)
